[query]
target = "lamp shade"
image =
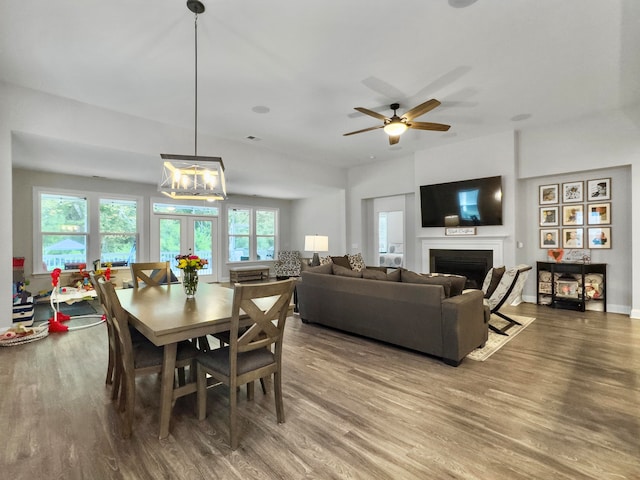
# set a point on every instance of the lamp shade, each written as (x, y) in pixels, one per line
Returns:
(191, 177)
(316, 243)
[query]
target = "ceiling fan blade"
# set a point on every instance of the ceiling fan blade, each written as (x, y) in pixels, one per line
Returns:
(363, 130)
(440, 127)
(421, 109)
(371, 113)
(394, 139)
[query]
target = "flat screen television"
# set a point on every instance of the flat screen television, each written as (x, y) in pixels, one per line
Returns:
(473, 202)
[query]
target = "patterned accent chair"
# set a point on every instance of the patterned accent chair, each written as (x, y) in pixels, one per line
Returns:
(287, 265)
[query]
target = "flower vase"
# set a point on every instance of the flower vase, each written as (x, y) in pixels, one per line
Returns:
(190, 282)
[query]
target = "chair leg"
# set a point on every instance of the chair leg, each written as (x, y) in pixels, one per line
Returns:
(233, 405)
(264, 386)
(250, 390)
(201, 392)
(503, 330)
(110, 367)
(277, 388)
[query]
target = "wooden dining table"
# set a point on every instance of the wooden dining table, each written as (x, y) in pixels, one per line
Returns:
(165, 316)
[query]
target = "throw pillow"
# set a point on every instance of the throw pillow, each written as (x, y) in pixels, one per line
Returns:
(327, 268)
(325, 260)
(408, 276)
(356, 262)
(345, 272)
(342, 261)
(496, 276)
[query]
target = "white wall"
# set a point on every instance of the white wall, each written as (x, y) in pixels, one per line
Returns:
(322, 215)
(381, 179)
(584, 148)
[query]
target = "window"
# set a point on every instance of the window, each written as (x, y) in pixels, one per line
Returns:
(118, 231)
(63, 231)
(73, 228)
(251, 234)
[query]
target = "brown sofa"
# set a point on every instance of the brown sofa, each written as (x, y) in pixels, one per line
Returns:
(411, 315)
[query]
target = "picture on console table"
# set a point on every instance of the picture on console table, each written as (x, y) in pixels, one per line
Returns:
(549, 238)
(549, 194)
(599, 237)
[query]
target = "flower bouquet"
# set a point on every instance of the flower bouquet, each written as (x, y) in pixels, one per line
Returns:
(190, 264)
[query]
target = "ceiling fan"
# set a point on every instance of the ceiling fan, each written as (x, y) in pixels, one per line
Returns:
(397, 125)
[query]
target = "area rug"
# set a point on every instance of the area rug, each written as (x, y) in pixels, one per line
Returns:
(497, 341)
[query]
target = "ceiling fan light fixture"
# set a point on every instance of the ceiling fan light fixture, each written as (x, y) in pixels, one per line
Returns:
(395, 128)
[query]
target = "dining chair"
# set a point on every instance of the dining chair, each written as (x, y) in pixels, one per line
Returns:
(143, 358)
(159, 273)
(110, 333)
(151, 273)
(252, 355)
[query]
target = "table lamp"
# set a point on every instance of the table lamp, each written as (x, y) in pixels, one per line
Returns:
(316, 244)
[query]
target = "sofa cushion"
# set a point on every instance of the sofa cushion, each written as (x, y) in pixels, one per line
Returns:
(345, 272)
(342, 261)
(496, 276)
(356, 262)
(375, 274)
(394, 275)
(407, 276)
(327, 268)
(458, 282)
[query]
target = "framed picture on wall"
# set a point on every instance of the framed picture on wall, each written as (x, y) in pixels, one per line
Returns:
(572, 192)
(599, 237)
(572, 215)
(572, 238)
(599, 189)
(599, 213)
(549, 238)
(548, 216)
(548, 194)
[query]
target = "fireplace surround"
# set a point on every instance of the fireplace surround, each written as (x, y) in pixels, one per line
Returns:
(473, 264)
(464, 249)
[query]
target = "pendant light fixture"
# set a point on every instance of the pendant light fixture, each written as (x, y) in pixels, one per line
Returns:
(193, 177)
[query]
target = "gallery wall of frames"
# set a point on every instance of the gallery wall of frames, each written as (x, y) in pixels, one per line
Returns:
(576, 215)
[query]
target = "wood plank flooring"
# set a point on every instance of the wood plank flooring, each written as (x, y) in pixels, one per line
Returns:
(560, 401)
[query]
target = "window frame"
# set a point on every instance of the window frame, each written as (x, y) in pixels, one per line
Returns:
(252, 235)
(93, 233)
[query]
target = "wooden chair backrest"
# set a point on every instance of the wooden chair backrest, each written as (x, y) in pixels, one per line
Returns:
(267, 327)
(120, 319)
(151, 273)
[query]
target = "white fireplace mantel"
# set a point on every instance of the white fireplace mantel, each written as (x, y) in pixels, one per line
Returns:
(494, 243)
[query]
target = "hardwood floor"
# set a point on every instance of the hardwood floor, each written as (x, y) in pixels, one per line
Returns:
(559, 401)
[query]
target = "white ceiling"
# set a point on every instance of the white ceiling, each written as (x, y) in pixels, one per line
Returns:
(490, 64)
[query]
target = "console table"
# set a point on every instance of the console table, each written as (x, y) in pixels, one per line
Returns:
(572, 285)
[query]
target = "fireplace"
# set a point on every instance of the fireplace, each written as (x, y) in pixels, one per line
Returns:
(473, 264)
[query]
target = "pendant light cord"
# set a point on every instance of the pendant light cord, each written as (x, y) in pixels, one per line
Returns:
(195, 135)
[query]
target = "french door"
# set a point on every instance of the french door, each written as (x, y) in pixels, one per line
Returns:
(183, 234)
